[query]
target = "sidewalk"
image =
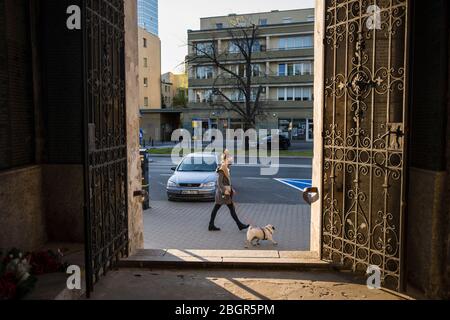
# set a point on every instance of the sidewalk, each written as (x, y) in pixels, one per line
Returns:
(184, 225)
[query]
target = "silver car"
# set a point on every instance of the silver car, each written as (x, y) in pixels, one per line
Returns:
(194, 178)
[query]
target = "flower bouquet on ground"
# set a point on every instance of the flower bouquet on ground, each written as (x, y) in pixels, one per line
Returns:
(15, 277)
(19, 271)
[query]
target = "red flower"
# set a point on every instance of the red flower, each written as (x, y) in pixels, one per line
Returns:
(8, 287)
(44, 262)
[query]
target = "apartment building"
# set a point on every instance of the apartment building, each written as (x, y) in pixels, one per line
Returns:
(173, 88)
(149, 70)
(149, 84)
(282, 64)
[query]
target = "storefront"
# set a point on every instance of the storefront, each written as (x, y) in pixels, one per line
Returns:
(297, 129)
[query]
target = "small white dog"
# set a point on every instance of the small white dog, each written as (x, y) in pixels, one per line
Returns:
(258, 234)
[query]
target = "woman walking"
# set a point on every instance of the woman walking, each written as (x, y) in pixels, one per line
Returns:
(224, 194)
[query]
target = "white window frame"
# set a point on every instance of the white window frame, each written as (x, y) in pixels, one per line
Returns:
(204, 72)
(298, 93)
(298, 42)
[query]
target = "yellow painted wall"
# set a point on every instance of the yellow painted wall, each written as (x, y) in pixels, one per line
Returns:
(152, 72)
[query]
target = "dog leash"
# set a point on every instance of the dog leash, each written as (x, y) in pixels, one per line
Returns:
(244, 217)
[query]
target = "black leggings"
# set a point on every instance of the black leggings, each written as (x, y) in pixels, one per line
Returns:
(232, 212)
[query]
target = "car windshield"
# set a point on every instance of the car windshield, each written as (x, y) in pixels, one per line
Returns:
(198, 164)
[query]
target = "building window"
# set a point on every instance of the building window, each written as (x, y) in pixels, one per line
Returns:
(205, 72)
(145, 101)
(256, 46)
(289, 94)
(219, 25)
(145, 62)
(295, 93)
(263, 22)
(295, 42)
(290, 70)
(281, 94)
(233, 48)
(303, 94)
(287, 20)
(204, 48)
(282, 69)
(295, 69)
(256, 70)
(310, 18)
(145, 82)
(145, 42)
(203, 96)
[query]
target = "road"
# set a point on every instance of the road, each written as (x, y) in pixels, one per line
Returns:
(250, 186)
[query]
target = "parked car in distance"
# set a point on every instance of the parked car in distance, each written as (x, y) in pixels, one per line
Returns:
(284, 143)
(194, 178)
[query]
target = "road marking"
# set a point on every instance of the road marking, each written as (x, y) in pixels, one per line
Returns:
(302, 166)
(299, 184)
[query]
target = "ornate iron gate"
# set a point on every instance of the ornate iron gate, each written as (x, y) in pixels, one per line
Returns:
(105, 137)
(365, 113)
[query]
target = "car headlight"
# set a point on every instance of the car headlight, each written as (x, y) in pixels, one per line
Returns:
(209, 185)
(172, 184)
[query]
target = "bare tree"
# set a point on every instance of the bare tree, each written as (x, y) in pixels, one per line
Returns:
(244, 42)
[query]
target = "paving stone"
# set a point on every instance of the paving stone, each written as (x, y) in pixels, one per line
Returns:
(184, 225)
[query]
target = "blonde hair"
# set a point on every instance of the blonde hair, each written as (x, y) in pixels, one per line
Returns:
(225, 155)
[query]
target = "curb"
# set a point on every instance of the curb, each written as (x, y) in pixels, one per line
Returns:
(262, 264)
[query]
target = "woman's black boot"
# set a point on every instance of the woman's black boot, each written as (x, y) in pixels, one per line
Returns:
(213, 228)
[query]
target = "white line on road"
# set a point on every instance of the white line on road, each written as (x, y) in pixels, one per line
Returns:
(289, 185)
(255, 178)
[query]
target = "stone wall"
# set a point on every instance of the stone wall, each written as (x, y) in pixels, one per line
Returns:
(63, 187)
(447, 198)
(135, 216)
(22, 211)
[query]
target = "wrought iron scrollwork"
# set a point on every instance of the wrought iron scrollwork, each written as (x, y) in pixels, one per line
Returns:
(107, 218)
(364, 121)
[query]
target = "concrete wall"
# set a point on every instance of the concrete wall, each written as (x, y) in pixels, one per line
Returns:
(152, 72)
(424, 233)
(135, 217)
(151, 125)
(22, 210)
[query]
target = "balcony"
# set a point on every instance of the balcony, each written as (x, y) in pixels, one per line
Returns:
(262, 80)
(267, 104)
(258, 56)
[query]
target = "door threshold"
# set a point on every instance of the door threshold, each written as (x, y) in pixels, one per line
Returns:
(187, 258)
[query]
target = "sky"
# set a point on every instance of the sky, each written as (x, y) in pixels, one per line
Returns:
(177, 16)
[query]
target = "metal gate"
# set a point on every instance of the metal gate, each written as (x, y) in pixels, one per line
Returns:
(105, 137)
(365, 113)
